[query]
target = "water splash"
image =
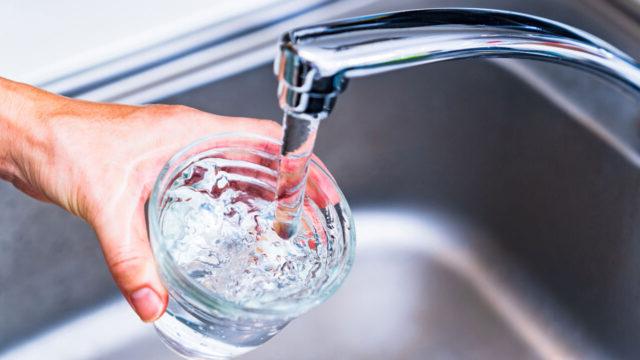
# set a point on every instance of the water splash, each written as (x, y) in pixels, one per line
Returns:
(222, 237)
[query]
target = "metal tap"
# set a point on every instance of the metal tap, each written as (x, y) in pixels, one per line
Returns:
(314, 63)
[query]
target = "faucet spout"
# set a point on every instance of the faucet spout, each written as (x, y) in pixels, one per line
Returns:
(315, 62)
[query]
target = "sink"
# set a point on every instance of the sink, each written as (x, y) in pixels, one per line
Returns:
(503, 158)
(493, 222)
(424, 283)
(479, 236)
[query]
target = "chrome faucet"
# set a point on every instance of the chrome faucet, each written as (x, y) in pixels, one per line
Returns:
(314, 63)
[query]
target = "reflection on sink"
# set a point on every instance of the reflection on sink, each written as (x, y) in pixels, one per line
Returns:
(422, 284)
(537, 258)
(518, 177)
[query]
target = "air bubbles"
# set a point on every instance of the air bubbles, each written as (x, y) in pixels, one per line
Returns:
(223, 239)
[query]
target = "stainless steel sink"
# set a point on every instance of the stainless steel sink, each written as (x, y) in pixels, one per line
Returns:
(491, 222)
(504, 159)
(425, 284)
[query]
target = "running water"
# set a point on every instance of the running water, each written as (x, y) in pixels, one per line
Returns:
(249, 248)
(218, 230)
(297, 148)
(235, 282)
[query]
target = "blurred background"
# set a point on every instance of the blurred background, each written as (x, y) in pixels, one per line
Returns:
(494, 220)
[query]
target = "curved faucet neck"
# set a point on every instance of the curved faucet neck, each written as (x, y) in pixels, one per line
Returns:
(314, 62)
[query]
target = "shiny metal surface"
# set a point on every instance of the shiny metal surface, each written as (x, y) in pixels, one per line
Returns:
(430, 293)
(483, 155)
(315, 62)
(508, 245)
(494, 152)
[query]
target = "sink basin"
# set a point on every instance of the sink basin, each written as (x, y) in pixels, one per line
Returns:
(493, 221)
(423, 284)
(503, 158)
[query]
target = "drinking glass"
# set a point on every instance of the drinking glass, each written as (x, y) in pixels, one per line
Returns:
(204, 324)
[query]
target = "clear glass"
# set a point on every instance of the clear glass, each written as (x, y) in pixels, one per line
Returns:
(203, 323)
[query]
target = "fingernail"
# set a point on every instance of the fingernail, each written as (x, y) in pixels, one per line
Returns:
(147, 304)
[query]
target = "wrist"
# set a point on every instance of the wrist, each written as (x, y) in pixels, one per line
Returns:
(22, 133)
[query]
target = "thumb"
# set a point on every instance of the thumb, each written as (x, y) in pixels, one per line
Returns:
(130, 260)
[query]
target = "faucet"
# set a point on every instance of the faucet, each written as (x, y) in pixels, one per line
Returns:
(314, 63)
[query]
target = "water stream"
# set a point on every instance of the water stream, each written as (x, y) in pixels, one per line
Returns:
(297, 147)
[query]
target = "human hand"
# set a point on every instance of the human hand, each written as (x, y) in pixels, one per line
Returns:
(100, 162)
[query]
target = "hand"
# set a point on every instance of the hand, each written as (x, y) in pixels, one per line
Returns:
(100, 161)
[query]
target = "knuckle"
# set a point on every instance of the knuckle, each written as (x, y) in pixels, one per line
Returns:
(167, 110)
(271, 125)
(125, 265)
(181, 108)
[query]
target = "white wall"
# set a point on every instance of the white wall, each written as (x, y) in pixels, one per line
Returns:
(41, 39)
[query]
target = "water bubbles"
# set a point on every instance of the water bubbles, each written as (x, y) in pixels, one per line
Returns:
(222, 238)
(222, 182)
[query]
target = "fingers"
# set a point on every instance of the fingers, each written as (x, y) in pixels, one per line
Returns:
(129, 258)
(267, 128)
(320, 185)
(208, 124)
(320, 189)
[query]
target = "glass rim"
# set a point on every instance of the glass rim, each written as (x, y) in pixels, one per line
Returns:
(205, 299)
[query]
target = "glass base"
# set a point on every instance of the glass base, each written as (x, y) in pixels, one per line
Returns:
(192, 339)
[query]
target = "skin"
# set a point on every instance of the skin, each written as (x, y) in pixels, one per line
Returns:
(99, 162)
